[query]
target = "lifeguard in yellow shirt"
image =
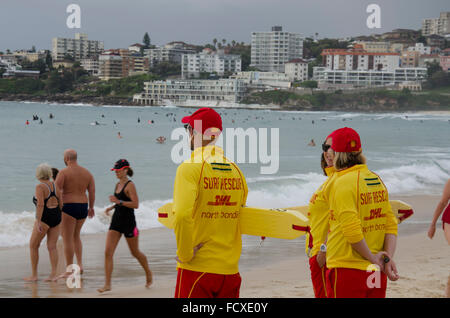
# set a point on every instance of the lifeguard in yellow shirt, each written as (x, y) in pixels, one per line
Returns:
(363, 228)
(208, 194)
(318, 214)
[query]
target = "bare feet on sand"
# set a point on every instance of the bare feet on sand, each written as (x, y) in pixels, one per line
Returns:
(104, 289)
(149, 280)
(31, 279)
(51, 278)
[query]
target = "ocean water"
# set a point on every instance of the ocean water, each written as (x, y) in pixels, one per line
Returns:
(410, 151)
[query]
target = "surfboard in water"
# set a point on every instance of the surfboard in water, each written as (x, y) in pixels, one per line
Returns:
(401, 210)
(276, 223)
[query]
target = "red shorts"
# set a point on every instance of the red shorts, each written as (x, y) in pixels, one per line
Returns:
(318, 277)
(355, 283)
(192, 284)
(446, 216)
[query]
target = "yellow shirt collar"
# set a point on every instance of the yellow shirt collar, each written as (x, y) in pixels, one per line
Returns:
(329, 171)
(207, 151)
(355, 167)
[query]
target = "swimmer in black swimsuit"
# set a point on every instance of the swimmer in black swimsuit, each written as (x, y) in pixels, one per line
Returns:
(48, 218)
(125, 200)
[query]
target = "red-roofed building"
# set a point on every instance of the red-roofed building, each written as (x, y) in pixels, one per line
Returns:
(357, 58)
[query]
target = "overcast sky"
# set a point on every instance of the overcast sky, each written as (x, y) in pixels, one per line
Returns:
(24, 23)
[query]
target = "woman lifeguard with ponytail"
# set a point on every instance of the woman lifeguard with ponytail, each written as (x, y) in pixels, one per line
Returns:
(363, 228)
(318, 213)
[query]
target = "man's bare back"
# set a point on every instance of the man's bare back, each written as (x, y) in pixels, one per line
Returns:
(74, 181)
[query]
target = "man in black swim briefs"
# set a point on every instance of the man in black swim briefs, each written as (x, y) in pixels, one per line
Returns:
(73, 182)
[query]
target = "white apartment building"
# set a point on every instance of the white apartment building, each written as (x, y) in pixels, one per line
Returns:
(271, 50)
(209, 62)
(367, 78)
(171, 52)
(296, 70)
(422, 49)
(262, 80)
(191, 92)
(439, 26)
(79, 48)
(91, 65)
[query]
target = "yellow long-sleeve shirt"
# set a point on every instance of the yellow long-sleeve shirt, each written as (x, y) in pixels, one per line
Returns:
(359, 209)
(208, 194)
(318, 214)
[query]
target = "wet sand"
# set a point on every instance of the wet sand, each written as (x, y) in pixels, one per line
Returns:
(275, 268)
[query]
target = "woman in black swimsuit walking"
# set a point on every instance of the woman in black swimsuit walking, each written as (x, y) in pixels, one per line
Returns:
(48, 218)
(125, 200)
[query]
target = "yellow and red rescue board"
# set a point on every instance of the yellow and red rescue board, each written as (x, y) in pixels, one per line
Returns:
(401, 210)
(288, 223)
(276, 223)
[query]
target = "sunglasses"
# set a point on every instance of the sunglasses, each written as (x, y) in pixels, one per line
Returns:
(325, 147)
(187, 126)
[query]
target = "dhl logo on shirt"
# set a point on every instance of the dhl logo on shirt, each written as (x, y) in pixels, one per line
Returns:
(375, 214)
(222, 200)
(313, 198)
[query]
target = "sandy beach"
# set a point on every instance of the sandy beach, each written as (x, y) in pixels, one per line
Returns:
(275, 268)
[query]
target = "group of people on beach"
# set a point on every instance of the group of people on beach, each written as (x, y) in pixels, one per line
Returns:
(352, 234)
(65, 199)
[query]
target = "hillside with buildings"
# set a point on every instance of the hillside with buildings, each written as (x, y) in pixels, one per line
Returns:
(280, 68)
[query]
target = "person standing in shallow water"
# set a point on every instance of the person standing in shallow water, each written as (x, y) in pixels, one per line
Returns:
(125, 200)
(73, 182)
(48, 219)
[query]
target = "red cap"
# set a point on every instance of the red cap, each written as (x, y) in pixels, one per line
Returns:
(345, 140)
(205, 120)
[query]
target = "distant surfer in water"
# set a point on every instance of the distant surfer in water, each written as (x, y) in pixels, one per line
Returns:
(161, 139)
(208, 249)
(119, 135)
(125, 200)
(363, 229)
(312, 143)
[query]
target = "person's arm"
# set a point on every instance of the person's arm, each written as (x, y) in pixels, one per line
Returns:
(91, 192)
(39, 193)
(184, 197)
(59, 184)
(345, 207)
(321, 257)
(439, 209)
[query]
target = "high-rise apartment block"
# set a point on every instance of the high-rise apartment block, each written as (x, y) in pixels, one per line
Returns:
(78, 48)
(439, 26)
(271, 50)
